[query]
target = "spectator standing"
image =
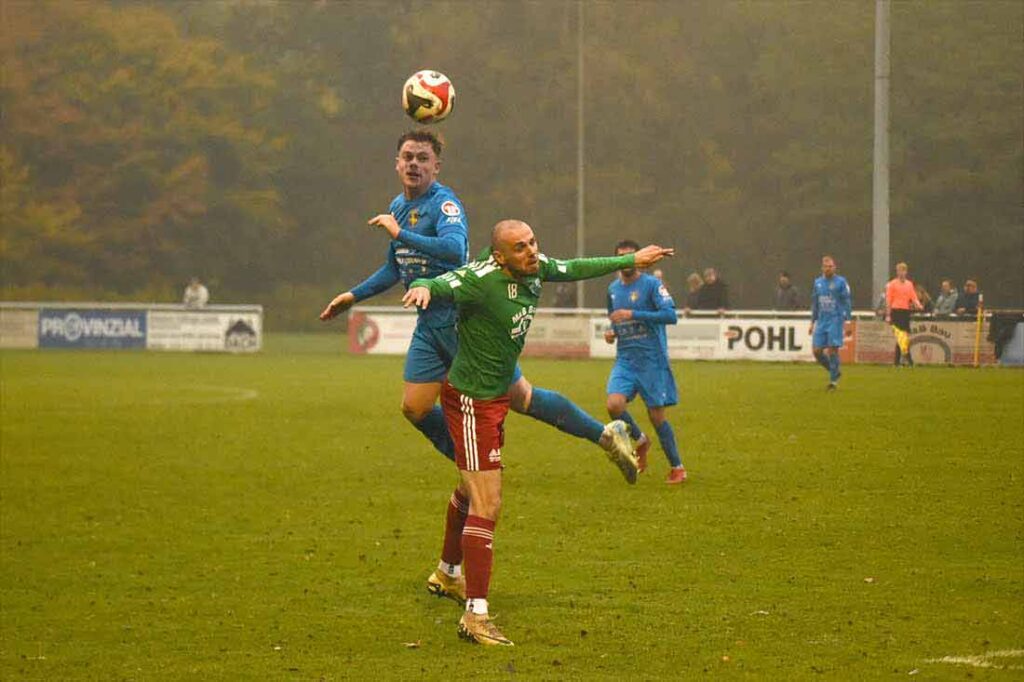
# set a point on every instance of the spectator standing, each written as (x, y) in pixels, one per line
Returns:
(786, 295)
(714, 295)
(967, 301)
(945, 304)
(196, 295)
(693, 286)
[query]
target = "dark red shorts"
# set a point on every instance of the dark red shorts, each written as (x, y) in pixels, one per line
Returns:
(477, 427)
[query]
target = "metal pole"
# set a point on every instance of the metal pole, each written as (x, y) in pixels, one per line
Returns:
(580, 227)
(880, 190)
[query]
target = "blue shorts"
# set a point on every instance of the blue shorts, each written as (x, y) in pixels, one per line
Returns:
(656, 385)
(828, 335)
(431, 353)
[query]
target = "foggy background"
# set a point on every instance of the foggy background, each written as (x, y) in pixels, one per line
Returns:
(248, 142)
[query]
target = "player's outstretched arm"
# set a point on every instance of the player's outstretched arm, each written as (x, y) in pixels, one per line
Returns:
(338, 305)
(444, 287)
(383, 279)
(588, 268)
(651, 254)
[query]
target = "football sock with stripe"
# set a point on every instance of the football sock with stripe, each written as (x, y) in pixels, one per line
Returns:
(555, 409)
(634, 428)
(455, 521)
(667, 438)
(435, 429)
(477, 556)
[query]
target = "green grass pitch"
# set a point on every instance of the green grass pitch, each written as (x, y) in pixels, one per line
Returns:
(178, 516)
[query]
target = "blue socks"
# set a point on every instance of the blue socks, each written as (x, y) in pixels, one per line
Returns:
(822, 359)
(435, 429)
(557, 410)
(667, 438)
(634, 428)
(833, 367)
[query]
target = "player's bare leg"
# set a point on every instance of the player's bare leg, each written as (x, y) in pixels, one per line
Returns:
(667, 438)
(558, 411)
(484, 489)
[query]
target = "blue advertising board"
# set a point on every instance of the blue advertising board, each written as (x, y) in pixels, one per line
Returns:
(84, 328)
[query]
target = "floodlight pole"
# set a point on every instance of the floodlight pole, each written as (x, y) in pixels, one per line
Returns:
(580, 231)
(880, 189)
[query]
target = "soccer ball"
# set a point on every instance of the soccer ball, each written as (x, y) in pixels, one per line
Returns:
(428, 96)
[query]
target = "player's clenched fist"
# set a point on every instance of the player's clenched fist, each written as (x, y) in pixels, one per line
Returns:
(339, 304)
(649, 255)
(417, 296)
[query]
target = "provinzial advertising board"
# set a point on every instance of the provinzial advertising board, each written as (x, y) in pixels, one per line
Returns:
(91, 328)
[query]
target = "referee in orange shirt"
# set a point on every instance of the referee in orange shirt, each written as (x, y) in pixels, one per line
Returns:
(900, 299)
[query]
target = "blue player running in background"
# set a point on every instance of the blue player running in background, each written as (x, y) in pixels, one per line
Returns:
(639, 307)
(831, 309)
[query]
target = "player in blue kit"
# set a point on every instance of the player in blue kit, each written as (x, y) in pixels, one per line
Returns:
(429, 236)
(639, 307)
(831, 310)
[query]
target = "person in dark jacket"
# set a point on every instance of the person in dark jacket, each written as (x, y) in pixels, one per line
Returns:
(967, 301)
(714, 295)
(786, 295)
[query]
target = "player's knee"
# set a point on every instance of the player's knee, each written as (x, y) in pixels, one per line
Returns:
(487, 506)
(616, 405)
(415, 413)
(657, 417)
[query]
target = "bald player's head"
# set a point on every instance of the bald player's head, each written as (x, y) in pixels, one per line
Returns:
(515, 248)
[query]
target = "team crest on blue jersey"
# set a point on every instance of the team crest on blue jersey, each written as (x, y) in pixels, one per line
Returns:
(414, 217)
(634, 296)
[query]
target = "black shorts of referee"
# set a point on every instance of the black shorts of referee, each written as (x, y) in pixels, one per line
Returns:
(900, 319)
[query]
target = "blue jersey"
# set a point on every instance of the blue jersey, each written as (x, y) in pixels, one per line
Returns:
(642, 341)
(433, 240)
(830, 300)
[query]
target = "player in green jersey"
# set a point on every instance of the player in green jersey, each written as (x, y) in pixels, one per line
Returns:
(496, 299)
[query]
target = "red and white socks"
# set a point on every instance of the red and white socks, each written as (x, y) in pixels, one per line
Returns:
(478, 558)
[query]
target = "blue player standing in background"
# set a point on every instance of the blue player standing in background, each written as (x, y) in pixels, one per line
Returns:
(639, 307)
(831, 309)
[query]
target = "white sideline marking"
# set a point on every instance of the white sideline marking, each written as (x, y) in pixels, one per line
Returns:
(984, 660)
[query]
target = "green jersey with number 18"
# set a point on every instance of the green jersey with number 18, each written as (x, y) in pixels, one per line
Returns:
(495, 312)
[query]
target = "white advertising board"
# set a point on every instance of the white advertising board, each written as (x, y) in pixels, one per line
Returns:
(19, 328)
(766, 339)
(723, 339)
(380, 332)
(204, 331)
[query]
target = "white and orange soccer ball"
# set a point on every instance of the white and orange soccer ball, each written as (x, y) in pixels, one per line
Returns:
(428, 96)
